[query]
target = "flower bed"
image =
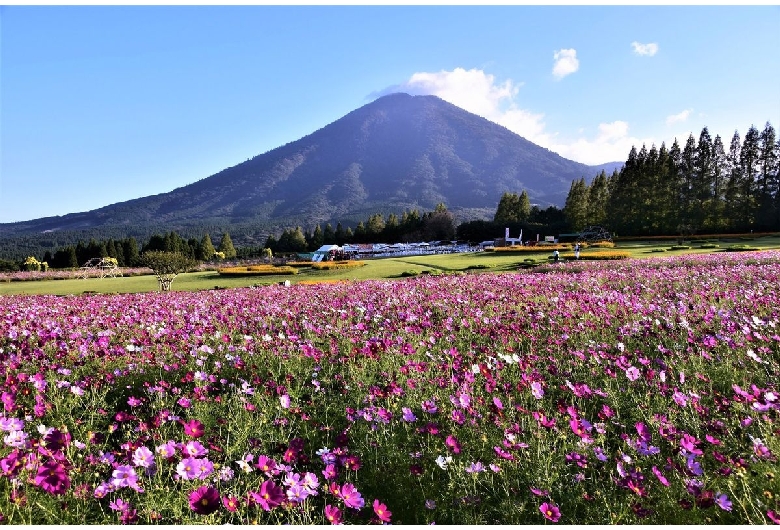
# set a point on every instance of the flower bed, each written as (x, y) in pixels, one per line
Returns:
(638, 392)
(67, 274)
(336, 265)
(257, 270)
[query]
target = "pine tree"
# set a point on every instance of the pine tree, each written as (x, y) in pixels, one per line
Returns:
(507, 209)
(340, 235)
(768, 178)
(597, 200)
(716, 213)
(523, 207)
(702, 185)
(132, 256)
(576, 208)
(227, 248)
(317, 239)
(749, 162)
(328, 235)
(206, 249)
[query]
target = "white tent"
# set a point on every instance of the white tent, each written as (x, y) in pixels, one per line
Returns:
(322, 252)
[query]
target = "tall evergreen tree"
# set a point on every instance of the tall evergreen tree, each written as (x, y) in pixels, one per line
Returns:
(702, 185)
(507, 209)
(132, 255)
(687, 191)
(226, 246)
(716, 218)
(734, 209)
(749, 162)
(328, 235)
(598, 195)
(576, 208)
(523, 207)
(317, 239)
(206, 248)
(768, 179)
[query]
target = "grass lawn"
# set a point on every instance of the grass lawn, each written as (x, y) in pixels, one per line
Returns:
(384, 268)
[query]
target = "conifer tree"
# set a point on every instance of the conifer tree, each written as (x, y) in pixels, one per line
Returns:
(206, 249)
(226, 246)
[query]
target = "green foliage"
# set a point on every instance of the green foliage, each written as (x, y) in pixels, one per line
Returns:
(206, 249)
(166, 265)
(226, 246)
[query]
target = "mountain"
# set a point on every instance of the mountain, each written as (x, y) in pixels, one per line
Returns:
(397, 153)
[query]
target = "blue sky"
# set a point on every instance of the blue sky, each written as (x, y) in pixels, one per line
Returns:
(101, 104)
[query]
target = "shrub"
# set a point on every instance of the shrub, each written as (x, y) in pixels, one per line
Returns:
(600, 244)
(480, 266)
(740, 248)
(410, 273)
(710, 245)
(680, 247)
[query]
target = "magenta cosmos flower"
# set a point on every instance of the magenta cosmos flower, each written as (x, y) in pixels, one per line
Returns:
(333, 514)
(204, 500)
(381, 511)
(194, 428)
(351, 496)
(270, 495)
(550, 512)
(52, 478)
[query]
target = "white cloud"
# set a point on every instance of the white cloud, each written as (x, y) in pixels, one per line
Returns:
(479, 93)
(650, 49)
(565, 63)
(612, 143)
(677, 118)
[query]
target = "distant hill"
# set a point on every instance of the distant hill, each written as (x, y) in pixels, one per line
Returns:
(397, 153)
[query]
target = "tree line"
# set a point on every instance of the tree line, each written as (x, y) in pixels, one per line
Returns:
(437, 225)
(702, 187)
(128, 253)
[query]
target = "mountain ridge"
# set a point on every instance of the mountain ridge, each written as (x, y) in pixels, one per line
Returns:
(396, 153)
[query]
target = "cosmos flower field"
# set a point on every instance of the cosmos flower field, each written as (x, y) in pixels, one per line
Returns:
(644, 391)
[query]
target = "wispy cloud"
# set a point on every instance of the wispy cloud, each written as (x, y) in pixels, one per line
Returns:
(480, 93)
(565, 63)
(678, 118)
(649, 49)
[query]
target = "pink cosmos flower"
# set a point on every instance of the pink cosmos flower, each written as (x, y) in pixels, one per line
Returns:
(204, 500)
(381, 511)
(351, 496)
(333, 514)
(550, 512)
(536, 390)
(231, 503)
(265, 465)
(193, 428)
(167, 450)
(453, 444)
(270, 495)
(143, 457)
(632, 372)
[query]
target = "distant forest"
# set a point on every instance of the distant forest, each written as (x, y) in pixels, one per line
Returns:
(700, 188)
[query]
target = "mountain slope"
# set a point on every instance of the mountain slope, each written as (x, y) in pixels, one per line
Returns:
(396, 153)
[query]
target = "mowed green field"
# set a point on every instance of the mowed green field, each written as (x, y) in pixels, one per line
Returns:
(384, 268)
